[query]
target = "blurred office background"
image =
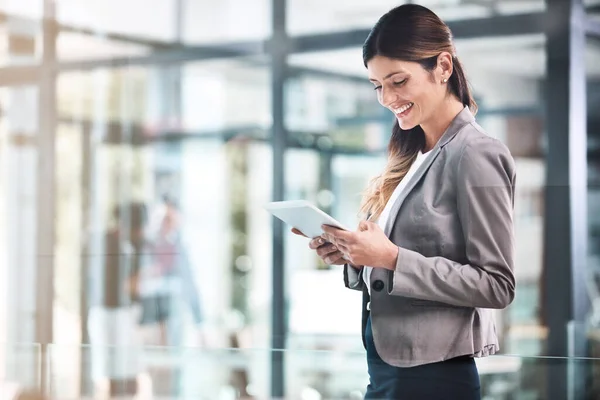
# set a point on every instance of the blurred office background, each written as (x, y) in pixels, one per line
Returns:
(123, 117)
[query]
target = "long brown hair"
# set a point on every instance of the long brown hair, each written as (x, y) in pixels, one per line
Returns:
(409, 33)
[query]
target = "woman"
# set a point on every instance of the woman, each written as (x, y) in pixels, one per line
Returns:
(435, 253)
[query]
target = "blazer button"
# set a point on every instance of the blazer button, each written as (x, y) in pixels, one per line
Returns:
(378, 285)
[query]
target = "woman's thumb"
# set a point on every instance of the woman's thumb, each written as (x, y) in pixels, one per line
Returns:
(364, 225)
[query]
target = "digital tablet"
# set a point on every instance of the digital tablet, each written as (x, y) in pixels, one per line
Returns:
(303, 215)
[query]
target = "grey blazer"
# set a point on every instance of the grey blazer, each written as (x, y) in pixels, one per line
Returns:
(453, 225)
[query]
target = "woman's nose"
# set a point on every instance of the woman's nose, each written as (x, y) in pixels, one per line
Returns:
(387, 98)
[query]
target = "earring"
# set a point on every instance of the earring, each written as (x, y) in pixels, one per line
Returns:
(445, 80)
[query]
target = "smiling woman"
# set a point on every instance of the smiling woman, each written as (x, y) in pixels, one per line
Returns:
(434, 252)
(416, 78)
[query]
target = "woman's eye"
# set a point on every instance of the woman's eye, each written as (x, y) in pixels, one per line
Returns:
(377, 88)
(402, 82)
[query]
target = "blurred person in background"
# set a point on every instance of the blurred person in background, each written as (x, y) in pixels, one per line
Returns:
(114, 309)
(433, 254)
(167, 289)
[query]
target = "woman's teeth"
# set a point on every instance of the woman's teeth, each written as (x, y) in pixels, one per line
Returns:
(403, 108)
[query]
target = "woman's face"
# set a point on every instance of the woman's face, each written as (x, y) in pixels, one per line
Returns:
(412, 93)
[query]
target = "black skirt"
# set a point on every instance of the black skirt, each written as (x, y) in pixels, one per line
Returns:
(451, 379)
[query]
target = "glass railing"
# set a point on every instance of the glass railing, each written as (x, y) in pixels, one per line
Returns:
(87, 372)
(20, 368)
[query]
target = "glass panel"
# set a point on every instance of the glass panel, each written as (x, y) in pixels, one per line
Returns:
(593, 124)
(20, 41)
(20, 367)
(159, 185)
(206, 21)
(333, 183)
(329, 112)
(162, 372)
(29, 9)
(308, 177)
(234, 373)
(157, 21)
(593, 7)
(508, 91)
(18, 173)
(74, 46)
(335, 109)
(228, 97)
(339, 16)
(4, 190)
(351, 175)
(68, 274)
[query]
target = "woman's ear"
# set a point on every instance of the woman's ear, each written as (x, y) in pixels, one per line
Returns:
(445, 66)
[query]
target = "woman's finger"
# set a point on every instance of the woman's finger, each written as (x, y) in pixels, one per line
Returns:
(327, 249)
(316, 243)
(335, 258)
(344, 248)
(337, 239)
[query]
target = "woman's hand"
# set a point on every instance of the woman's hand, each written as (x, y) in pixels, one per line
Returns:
(367, 246)
(328, 252)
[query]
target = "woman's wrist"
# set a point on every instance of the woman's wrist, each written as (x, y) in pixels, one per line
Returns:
(391, 257)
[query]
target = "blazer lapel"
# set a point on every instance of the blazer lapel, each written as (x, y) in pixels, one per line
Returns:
(463, 118)
(409, 187)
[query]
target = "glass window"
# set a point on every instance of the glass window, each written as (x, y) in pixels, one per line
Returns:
(20, 41)
(335, 109)
(593, 125)
(155, 19)
(591, 4)
(23, 8)
(227, 96)
(206, 21)
(90, 96)
(4, 190)
(333, 183)
(18, 202)
(340, 16)
(74, 46)
(146, 172)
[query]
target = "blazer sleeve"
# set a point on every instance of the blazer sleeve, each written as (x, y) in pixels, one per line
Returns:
(353, 277)
(485, 184)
